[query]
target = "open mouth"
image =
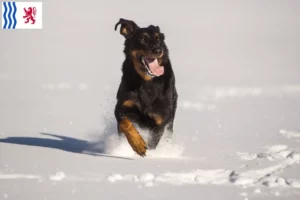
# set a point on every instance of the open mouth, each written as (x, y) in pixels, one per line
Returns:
(151, 65)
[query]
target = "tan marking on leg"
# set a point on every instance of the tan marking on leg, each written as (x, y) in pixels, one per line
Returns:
(129, 103)
(157, 118)
(133, 137)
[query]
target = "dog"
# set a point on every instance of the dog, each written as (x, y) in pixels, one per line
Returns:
(147, 95)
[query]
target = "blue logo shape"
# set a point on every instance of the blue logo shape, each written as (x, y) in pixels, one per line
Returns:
(14, 15)
(9, 18)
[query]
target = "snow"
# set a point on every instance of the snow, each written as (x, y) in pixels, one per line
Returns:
(251, 178)
(290, 134)
(58, 176)
(236, 133)
(17, 176)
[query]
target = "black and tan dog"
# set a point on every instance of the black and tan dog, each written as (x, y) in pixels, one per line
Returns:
(147, 95)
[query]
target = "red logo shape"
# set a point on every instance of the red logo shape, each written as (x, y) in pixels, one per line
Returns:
(30, 14)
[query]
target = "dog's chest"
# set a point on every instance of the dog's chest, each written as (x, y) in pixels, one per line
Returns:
(150, 96)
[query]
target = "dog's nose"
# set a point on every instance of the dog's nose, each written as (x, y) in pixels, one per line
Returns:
(157, 51)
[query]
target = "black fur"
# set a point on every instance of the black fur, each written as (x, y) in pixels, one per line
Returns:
(157, 95)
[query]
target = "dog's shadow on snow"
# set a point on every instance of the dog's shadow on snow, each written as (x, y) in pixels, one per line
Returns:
(69, 144)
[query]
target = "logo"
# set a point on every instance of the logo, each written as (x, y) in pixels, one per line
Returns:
(30, 14)
(22, 15)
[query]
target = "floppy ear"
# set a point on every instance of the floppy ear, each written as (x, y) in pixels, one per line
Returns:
(157, 28)
(162, 36)
(128, 27)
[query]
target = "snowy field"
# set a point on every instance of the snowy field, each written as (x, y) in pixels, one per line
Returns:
(237, 128)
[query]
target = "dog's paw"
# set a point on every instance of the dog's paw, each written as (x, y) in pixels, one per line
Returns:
(137, 143)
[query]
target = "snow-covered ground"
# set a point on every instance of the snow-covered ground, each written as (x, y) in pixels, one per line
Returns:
(237, 128)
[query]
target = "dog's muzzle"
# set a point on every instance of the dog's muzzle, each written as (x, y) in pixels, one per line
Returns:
(151, 65)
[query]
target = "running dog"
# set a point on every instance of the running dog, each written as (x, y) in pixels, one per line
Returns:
(147, 94)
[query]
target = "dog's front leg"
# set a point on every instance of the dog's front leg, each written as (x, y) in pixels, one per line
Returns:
(126, 111)
(133, 137)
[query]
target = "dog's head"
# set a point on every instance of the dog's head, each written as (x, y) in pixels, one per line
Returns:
(146, 47)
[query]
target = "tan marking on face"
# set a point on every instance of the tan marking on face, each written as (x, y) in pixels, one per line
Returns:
(139, 69)
(159, 59)
(157, 36)
(146, 35)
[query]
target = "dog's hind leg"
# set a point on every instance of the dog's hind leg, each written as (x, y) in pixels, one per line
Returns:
(169, 132)
(170, 127)
(156, 135)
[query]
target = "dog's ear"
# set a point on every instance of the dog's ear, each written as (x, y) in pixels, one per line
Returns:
(156, 28)
(162, 36)
(128, 27)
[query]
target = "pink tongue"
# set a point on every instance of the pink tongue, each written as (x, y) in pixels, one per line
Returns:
(155, 68)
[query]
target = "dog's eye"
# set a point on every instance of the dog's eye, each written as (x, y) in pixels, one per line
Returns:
(144, 39)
